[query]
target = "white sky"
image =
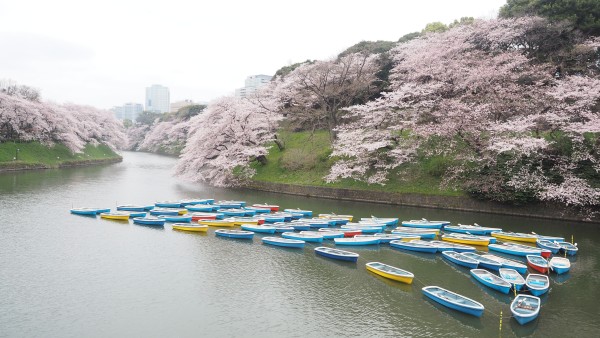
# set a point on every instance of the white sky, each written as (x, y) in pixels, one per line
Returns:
(104, 53)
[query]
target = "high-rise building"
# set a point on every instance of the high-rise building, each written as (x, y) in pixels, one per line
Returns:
(252, 83)
(128, 111)
(158, 99)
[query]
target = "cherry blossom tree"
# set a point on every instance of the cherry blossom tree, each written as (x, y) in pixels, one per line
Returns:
(227, 137)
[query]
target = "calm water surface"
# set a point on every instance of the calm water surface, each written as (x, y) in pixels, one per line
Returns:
(63, 275)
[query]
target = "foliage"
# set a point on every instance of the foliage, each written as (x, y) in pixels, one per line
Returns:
(584, 14)
(148, 118)
(35, 153)
(407, 37)
(369, 47)
(285, 70)
(434, 27)
(485, 93)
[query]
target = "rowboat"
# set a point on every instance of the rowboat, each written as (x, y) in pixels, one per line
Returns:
(537, 284)
(447, 246)
(271, 207)
(202, 208)
(258, 210)
(273, 219)
(423, 223)
(229, 233)
(176, 219)
(460, 259)
(336, 254)
(192, 201)
(356, 241)
(424, 233)
(549, 238)
(386, 238)
(317, 223)
(303, 237)
(386, 220)
(306, 213)
(133, 208)
(296, 215)
(300, 226)
(88, 211)
(512, 249)
(166, 212)
(247, 220)
(507, 263)
(548, 245)
(470, 229)
(390, 272)
(515, 236)
(412, 246)
(233, 212)
(217, 222)
(490, 280)
(265, 229)
(149, 221)
(189, 227)
(454, 300)
(338, 221)
(560, 265)
(331, 234)
(543, 252)
(537, 263)
(366, 229)
(282, 227)
(513, 277)
(570, 249)
(466, 239)
(168, 204)
(525, 308)
(485, 263)
(348, 217)
(118, 215)
(249, 212)
(284, 242)
(231, 204)
(197, 216)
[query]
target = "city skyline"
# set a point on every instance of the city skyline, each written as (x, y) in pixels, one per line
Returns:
(212, 47)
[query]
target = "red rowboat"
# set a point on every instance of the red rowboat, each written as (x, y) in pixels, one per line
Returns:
(538, 263)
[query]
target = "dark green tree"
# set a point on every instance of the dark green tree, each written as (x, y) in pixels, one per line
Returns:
(369, 47)
(584, 14)
(408, 37)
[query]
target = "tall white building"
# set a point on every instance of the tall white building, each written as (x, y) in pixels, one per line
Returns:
(128, 111)
(158, 99)
(252, 83)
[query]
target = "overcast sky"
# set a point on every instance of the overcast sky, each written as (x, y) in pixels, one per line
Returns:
(104, 53)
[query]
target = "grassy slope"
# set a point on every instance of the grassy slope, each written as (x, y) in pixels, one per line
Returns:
(305, 161)
(34, 153)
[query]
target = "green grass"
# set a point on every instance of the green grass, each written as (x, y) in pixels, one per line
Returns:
(305, 161)
(34, 153)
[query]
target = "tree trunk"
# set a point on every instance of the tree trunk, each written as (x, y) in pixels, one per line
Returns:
(280, 144)
(262, 159)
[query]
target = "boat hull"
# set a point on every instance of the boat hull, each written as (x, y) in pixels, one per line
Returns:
(337, 254)
(458, 259)
(476, 310)
(410, 247)
(189, 227)
(525, 308)
(393, 273)
(486, 278)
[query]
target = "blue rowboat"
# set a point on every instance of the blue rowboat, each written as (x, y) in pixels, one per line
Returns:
(190, 201)
(388, 221)
(273, 219)
(507, 263)
(424, 233)
(490, 280)
(460, 259)
(133, 214)
(284, 242)
(331, 234)
(265, 229)
(166, 212)
(168, 204)
(514, 250)
(537, 284)
(423, 223)
(317, 223)
(336, 254)
(366, 229)
(570, 249)
(300, 226)
(282, 227)
(303, 237)
(259, 210)
(513, 277)
(132, 208)
(305, 213)
(287, 217)
(356, 241)
(241, 234)
(338, 221)
(88, 211)
(200, 207)
(249, 213)
(471, 229)
(525, 308)
(385, 238)
(412, 246)
(149, 221)
(296, 216)
(447, 246)
(454, 300)
(560, 265)
(230, 204)
(233, 212)
(548, 245)
(484, 262)
(549, 238)
(176, 219)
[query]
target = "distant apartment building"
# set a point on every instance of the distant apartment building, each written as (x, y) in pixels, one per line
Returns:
(158, 99)
(128, 111)
(252, 83)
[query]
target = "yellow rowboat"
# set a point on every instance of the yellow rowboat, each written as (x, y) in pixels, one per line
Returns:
(390, 272)
(515, 236)
(466, 239)
(217, 222)
(241, 221)
(190, 227)
(115, 215)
